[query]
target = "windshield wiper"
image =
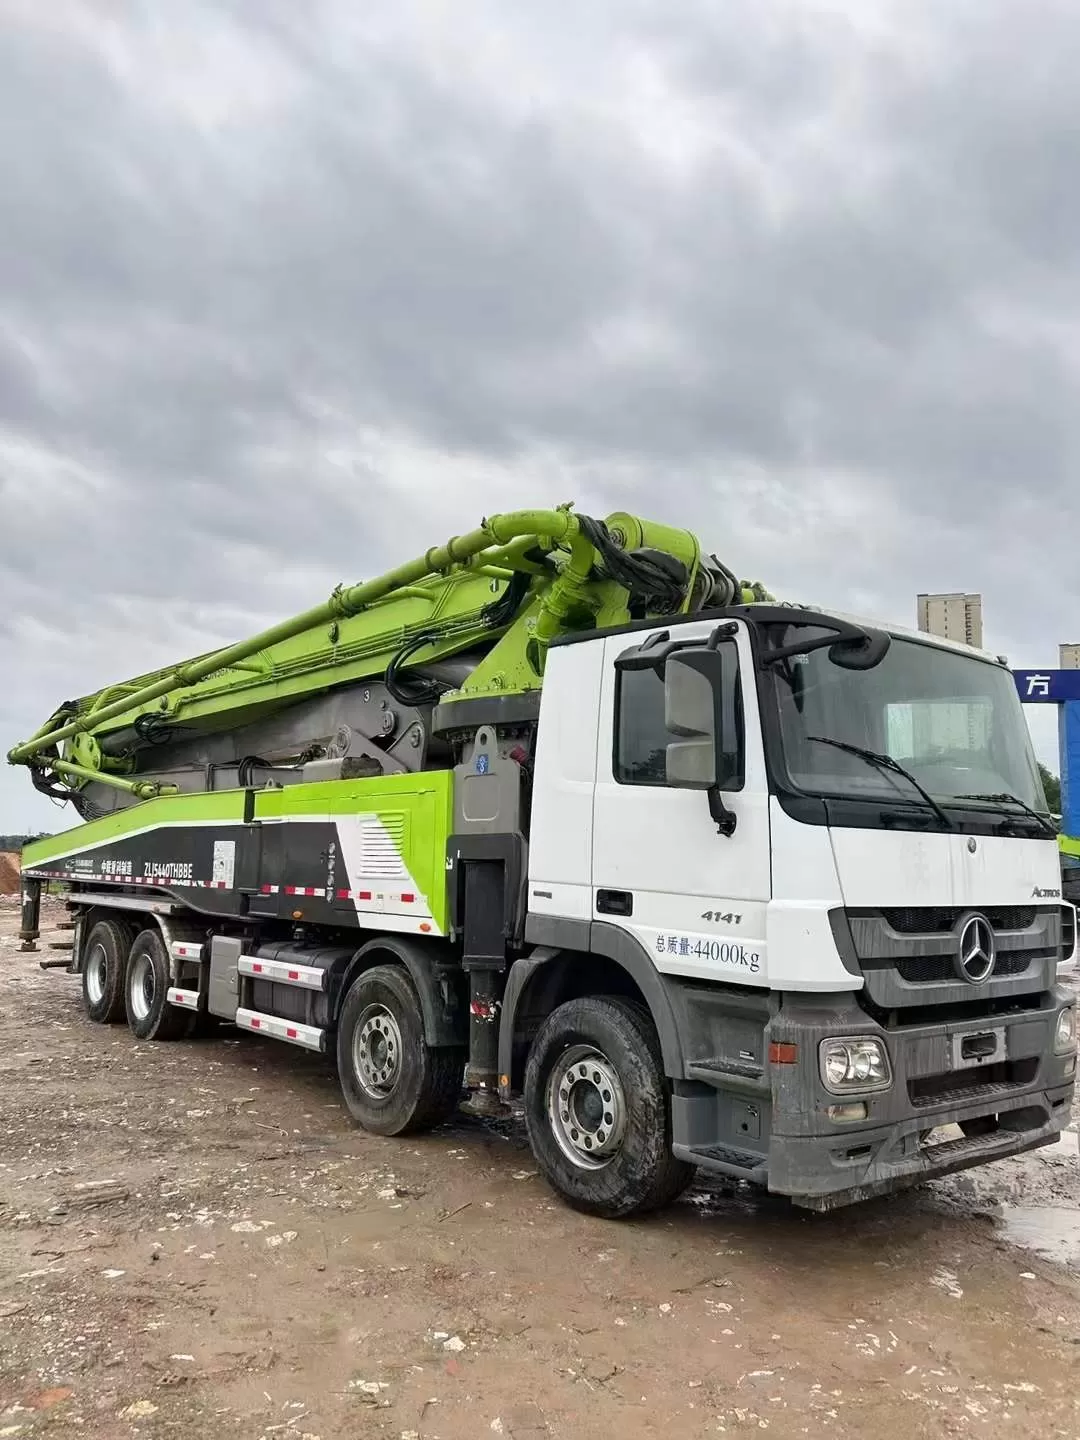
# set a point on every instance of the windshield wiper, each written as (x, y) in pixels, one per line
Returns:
(1007, 798)
(886, 762)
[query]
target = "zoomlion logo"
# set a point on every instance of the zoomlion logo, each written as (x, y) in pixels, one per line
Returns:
(1039, 894)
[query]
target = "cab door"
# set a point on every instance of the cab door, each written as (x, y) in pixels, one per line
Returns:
(694, 898)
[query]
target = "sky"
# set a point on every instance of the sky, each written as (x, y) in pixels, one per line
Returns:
(291, 291)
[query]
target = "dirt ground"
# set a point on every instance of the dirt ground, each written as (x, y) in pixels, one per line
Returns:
(9, 873)
(251, 1266)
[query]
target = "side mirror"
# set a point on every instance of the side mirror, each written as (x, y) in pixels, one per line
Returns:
(690, 711)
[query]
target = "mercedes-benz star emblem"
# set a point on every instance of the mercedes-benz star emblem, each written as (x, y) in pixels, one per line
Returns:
(976, 950)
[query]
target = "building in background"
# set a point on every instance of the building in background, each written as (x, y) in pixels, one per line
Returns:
(953, 617)
(1069, 657)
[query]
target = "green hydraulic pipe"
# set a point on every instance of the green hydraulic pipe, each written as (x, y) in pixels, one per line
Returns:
(568, 593)
(552, 526)
(144, 789)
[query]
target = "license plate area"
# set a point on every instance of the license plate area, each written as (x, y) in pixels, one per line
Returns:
(975, 1048)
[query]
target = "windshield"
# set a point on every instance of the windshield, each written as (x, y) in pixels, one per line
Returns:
(954, 722)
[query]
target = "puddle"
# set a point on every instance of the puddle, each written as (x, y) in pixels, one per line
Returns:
(1050, 1231)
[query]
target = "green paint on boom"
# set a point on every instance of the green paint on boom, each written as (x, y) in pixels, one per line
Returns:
(505, 591)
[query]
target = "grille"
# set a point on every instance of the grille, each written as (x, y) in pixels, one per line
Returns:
(942, 919)
(382, 839)
(926, 969)
(1068, 930)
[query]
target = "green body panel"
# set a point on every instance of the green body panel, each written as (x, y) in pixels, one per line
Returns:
(417, 811)
(1068, 845)
(223, 805)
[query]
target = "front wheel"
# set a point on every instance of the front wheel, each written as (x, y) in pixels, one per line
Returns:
(393, 1082)
(598, 1109)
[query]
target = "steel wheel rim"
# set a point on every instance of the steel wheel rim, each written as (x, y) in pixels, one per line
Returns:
(97, 974)
(586, 1107)
(142, 985)
(376, 1052)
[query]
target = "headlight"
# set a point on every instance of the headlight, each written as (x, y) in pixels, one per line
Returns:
(1065, 1034)
(857, 1064)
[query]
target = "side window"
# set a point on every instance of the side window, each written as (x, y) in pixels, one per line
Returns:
(641, 737)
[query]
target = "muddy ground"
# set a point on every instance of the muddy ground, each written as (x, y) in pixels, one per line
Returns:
(256, 1267)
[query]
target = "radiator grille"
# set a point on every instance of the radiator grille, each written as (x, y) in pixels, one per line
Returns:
(926, 969)
(941, 919)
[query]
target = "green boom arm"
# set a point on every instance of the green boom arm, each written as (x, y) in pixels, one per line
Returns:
(445, 601)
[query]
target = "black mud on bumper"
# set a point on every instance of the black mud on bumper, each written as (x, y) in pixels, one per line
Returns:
(1018, 1100)
(827, 1172)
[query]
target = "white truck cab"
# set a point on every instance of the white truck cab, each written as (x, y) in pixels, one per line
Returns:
(822, 851)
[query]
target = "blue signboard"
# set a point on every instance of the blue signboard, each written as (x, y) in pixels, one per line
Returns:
(1047, 687)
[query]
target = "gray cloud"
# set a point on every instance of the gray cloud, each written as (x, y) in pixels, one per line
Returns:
(289, 292)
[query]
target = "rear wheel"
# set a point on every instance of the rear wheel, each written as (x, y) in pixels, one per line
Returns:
(146, 987)
(104, 960)
(598, 1109)
(394, 1083)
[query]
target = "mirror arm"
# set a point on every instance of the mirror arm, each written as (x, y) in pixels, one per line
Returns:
(653, 654)
(722, 632)
(725, 819)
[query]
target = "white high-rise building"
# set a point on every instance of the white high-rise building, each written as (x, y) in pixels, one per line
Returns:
(954, 617)
(1069, 657)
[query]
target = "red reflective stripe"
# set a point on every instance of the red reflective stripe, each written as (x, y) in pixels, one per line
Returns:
(290, 1033)
(408, 899)
(343, 894)
(294, 974)
(363, 894)
(255, 1024)
(256, 967)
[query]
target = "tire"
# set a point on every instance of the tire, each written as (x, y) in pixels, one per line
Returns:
(597, 1062)
(104, 964)
(393, 1082)
(146, 986)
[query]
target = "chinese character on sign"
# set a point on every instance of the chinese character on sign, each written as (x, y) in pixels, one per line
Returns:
(1038, 687)
(684, 945)
(672, 945)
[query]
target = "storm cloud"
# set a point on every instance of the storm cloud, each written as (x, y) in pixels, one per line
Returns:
(292, 291)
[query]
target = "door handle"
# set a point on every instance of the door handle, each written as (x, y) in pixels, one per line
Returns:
(615, 902)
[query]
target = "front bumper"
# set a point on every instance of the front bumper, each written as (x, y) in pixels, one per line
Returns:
(1018, 1099)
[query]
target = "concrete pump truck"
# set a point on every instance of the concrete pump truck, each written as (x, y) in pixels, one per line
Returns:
(563, 810)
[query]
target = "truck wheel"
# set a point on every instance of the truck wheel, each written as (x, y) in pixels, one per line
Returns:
(598, 1112)
(149, 1014)
(394, 1083)
(104, 960)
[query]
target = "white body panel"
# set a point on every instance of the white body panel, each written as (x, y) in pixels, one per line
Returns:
(561, 836)
(888, 867)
